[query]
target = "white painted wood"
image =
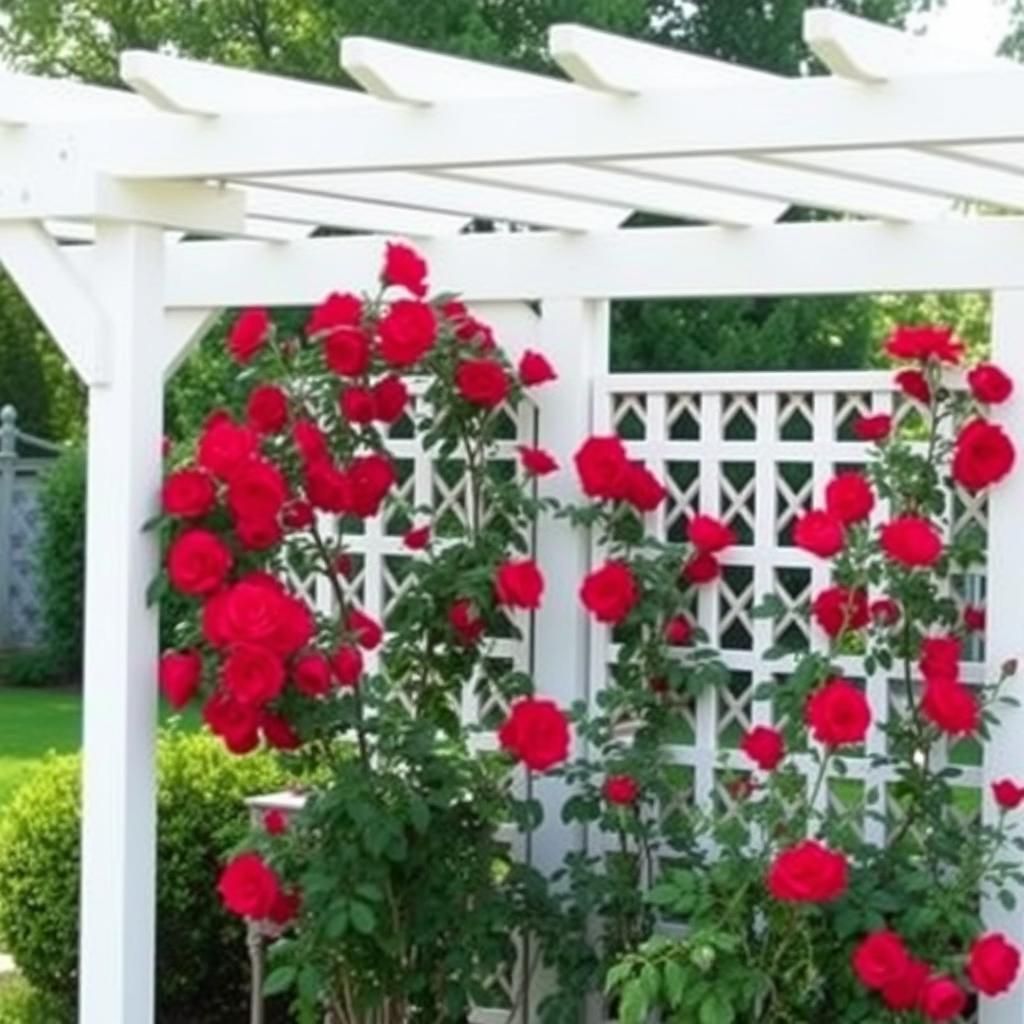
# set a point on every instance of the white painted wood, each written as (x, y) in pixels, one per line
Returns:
(869, 52)
(574, 336)
(434, 192)
(59, 295)
(28, 98)
(786, 259)
(190, 206)
(422, 77)
(1004, 755)
(270, 204)
(119, 813)
(183, 327)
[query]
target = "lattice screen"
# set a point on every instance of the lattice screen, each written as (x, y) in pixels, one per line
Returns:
(379, 571)
(758, 450)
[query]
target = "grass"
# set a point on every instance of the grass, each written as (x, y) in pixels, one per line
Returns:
(35, 722)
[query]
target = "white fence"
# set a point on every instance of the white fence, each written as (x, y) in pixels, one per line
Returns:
(23, 459)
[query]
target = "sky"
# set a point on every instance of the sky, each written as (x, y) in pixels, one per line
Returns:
(975, 25)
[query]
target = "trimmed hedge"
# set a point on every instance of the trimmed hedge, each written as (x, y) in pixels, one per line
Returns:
(202, 966)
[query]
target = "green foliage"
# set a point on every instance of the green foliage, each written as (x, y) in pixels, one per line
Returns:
(25, 668)
(34, 378)
(62, 561)
(21, 1004)
(201, 973)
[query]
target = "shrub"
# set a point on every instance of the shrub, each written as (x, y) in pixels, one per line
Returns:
(26, 668)
(62, 560)
(202, 969)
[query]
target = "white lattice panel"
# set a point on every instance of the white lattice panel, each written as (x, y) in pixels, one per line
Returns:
(757, 450)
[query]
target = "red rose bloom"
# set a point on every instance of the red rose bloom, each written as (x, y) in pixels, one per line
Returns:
(764, 746)
(885, 611)
(335, 311)
(880, 959)
(992, 964)
(249, 887)
(644, 491)
(982, 455)
(678, 631)
(702, 567)
(519, 584)
(278, 733)
(251, 610)
(310, 440)
(357, 405)
(258, 534)
(942, 998)
(275, 822)
(348, 665)
(849, 498)
(417, 538)
(536, 461)
(286, 908)
(198, 562)
(347, 351)
(367, 631)
(370, 477)
(328, 488)
(1008, 794)
(536, 733)
(928, 341)
(312, 675)
(610, 592)
(989, 384)
(180, 672)
(465, 621)
(266, 411)
(253, 675)
(940, 658)
(188, 494)
(257, 491)
(904, 992)
(710, 535)
(235, 723)
(403, 266)
(838, 609)
(603, 467)
(914, 384)
(248, 334)
(224, 446)
(621, 790)
(872, 428)
(407, 333)
(389, 399)
(951, 706)
(974, 618)
(534, 369)
(808, 873)
(838, 713)
(482, 382)
(297, 514)
(911, 541)
(819, 532)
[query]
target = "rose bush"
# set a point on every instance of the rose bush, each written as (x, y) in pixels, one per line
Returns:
(794, 910)
(392, 897)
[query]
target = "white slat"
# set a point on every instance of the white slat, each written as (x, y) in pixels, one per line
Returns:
(421, 77)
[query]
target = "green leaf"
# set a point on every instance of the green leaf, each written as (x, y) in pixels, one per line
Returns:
(771, 606)
(716, 1009)
(279, 980)
(675, 983)
(634, 1007)
(363, 918)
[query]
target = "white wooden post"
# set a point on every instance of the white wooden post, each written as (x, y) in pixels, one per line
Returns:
(119, 819)
(1004, 756)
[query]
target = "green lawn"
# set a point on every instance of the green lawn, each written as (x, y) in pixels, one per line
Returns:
(33, 722)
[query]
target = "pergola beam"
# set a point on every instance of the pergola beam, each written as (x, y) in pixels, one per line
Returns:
(787, 259)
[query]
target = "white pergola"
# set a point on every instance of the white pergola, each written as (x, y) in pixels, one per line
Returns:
(103, 192)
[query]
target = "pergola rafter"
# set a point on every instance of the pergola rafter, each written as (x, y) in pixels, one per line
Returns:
(259, 166)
